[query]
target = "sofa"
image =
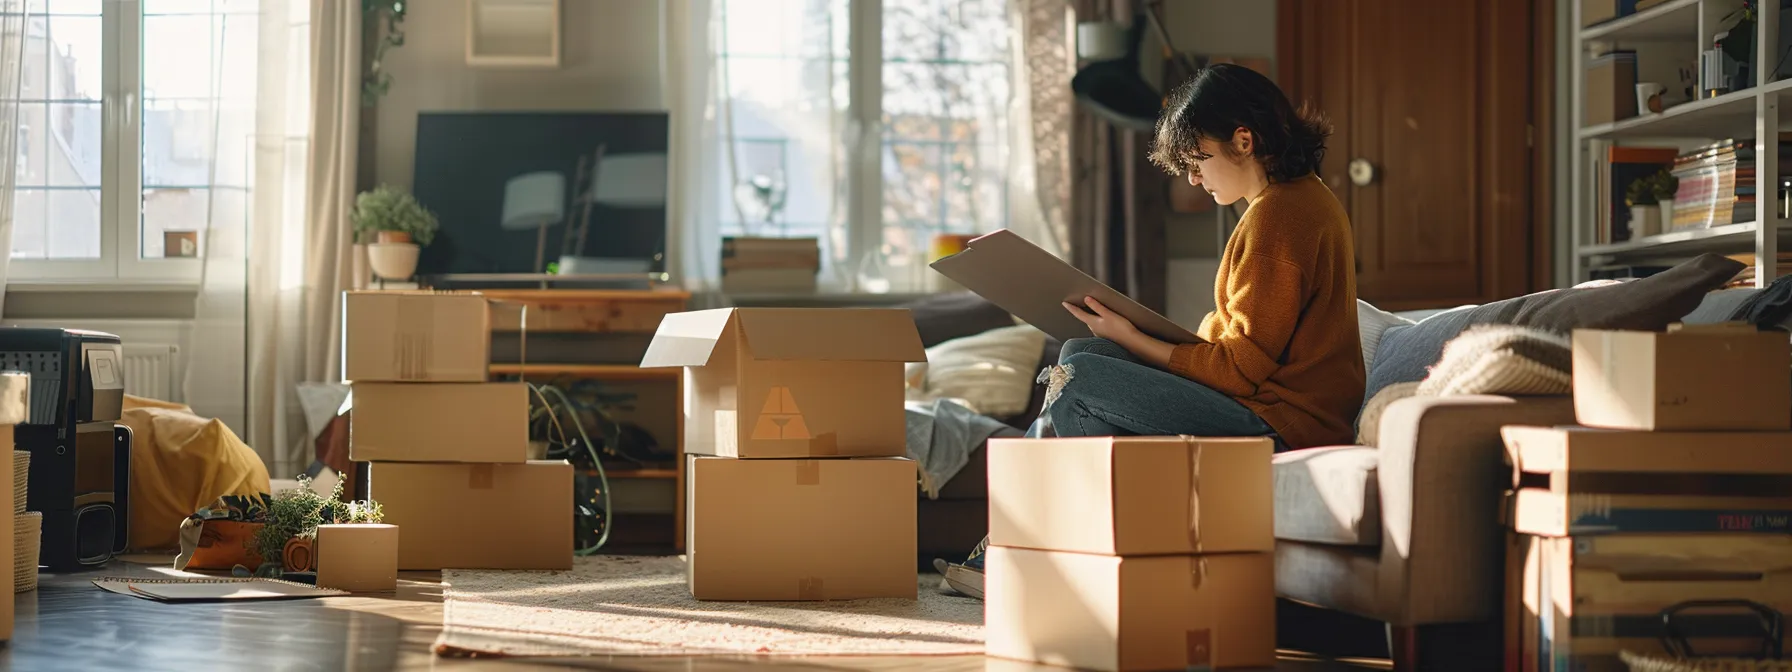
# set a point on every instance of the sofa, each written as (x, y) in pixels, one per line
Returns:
(1407, 531)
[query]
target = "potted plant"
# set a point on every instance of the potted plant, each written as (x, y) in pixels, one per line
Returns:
(1645, 217)
(397, 225)
(1665, 186)
(285, 540)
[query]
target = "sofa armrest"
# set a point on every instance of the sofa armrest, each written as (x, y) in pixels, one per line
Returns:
(1441, 475)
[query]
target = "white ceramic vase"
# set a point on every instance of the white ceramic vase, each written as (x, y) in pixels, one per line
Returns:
(1667, 216)
(393, 261)
(1645, 220)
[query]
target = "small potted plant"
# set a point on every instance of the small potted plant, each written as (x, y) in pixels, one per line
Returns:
(1665, 186)
(286, 540)
(1645, 217)
(396, 226)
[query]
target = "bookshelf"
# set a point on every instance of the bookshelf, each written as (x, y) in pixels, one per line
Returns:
(1667, 36)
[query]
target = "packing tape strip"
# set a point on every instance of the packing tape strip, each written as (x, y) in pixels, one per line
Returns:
(1200, 649)
(15, 397)
(808, 472)
(1199, 641)
(1194, 492)
(479, 477)
(416, 323)
(810, 588)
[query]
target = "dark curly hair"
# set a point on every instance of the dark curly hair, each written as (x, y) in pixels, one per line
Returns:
(1222, 98)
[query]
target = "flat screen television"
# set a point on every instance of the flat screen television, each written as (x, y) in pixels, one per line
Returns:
(492, 179)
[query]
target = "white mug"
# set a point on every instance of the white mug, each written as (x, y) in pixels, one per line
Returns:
(1648, 97)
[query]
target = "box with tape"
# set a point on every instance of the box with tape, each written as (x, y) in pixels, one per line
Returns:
(1728, 377)
(1103, 612)
(800, 529)
(791, 382)
(416, 337)
(477, 516)
(1132, 495)
(445, 422)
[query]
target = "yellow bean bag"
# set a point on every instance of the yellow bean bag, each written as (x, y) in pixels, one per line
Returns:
(180, 463)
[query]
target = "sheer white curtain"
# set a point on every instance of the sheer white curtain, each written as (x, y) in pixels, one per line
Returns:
(1044, 58)
(248, 332)
(12, 65)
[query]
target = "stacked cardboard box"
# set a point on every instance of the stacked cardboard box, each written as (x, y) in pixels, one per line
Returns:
(450, 450)
(1676, 489)
(796, 483)
(1131, 553)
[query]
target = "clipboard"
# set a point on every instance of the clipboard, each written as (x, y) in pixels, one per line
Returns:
(1032, 284)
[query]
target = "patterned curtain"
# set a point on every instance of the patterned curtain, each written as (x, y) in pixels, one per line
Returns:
(1040, 167)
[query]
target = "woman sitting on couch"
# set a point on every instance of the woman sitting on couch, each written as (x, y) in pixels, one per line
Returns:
(1280, 354)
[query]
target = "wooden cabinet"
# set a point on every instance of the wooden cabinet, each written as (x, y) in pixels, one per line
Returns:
(1433, 153)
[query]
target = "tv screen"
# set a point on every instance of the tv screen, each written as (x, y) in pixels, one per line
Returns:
(495, 179)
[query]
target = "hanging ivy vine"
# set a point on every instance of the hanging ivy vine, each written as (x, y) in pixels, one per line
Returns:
(375, 82)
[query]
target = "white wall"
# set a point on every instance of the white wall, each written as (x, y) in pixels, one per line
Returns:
(610, 60)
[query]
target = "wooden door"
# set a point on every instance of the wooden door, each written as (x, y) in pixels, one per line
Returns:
(1436, 99)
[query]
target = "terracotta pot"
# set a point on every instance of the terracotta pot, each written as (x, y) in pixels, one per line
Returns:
(392, 237)
(393, 261)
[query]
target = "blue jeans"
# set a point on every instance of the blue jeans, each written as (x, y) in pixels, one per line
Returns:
(1107, 391)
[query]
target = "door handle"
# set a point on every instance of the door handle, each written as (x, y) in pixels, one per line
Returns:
(1362, 173)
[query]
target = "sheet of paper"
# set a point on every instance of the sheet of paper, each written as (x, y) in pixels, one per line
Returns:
(211, 589)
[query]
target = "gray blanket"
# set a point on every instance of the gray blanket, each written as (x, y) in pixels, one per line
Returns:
(942, 435)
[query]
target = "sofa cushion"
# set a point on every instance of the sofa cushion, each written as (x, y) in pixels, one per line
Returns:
(1328, 496)
(1650, 304)
(1371, 323)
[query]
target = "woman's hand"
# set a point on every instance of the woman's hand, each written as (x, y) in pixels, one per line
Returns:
(1110, 325)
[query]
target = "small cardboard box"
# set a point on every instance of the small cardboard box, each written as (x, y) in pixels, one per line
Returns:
(1611, 88)
(478, 516)
(814, 382)
(415, 337)
(1103, 612)
(1719, 378)
(448, 422)
(800, 529)
(359, 558)
(1132, 496)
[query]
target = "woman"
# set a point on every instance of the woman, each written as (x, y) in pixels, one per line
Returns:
(1279, 356)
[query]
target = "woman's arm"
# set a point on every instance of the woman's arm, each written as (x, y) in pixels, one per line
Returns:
(1263, 308)
(1112, 326)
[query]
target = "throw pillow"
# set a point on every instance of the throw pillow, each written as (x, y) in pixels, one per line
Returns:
(1502, 359)
(1371, 322)
(1649, 304)
(991, 372)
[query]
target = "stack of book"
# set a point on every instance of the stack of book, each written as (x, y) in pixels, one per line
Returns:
(1658, 526)
(1717, 183)
(770, 265)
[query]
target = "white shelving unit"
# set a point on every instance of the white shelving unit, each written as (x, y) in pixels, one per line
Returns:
(1679, 30)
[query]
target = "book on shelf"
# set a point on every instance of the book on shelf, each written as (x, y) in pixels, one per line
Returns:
(1717, 184)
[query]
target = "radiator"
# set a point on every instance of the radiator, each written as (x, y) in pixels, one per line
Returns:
(149, 371)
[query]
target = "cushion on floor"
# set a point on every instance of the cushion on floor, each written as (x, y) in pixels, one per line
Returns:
(1328, 496)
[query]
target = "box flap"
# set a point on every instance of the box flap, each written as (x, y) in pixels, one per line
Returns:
(687, 339)
(859, 334)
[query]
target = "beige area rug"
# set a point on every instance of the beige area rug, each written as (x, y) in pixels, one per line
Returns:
(632, 605)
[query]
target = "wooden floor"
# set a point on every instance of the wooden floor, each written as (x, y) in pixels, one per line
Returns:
(68, 624)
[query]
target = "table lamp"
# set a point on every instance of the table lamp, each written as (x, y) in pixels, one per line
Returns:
(535, 201)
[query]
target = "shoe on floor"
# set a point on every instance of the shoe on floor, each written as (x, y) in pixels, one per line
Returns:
(966, 577)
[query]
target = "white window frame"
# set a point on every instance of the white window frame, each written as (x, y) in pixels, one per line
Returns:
(121, 198)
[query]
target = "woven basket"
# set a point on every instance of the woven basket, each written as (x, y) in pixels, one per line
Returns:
(21, 475)
(1659, 663)
(27, 535)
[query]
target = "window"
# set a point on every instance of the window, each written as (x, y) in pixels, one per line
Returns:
(137, 125)
(873, 155)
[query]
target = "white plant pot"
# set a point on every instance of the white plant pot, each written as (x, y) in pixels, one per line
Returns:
(393, 261)
(1667, 216)
(1645, 220)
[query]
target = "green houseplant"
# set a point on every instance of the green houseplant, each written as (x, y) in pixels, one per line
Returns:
(1651, 201)
(396, 225)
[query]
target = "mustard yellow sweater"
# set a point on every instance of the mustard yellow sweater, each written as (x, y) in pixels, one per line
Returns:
(1283, 338)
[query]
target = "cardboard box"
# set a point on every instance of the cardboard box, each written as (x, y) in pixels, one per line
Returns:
(800, 529)
(1611, 88)
(448, 422)
(477, 516)
(415, 337)
(816, 382)
(1132, 496)
(1595, 12)
(360, 558)
(1103, 612)
(1581, 609)
(1558, 451)
(1692, 379)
